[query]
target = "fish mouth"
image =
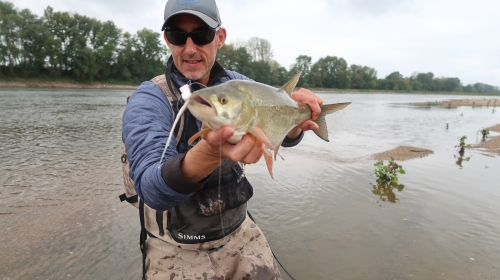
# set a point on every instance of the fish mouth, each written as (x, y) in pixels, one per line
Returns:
(201, 108)
(201, 101)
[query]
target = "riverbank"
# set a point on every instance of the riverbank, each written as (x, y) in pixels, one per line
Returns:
(31, 83)
(491, 144)
(493, 102)
(68, 83)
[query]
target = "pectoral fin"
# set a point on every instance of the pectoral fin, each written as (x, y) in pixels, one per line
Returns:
(199, 134)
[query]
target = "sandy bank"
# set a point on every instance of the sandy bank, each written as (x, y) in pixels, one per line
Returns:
(39, 84)
(402, 153)
(492, 143)
(493, 102)
(495, 128)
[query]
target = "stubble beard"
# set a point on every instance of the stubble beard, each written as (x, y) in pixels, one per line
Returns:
(200, 73)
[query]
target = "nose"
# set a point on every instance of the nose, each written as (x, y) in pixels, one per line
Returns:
(190, 46)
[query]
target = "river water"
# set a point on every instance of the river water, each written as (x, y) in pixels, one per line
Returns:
(60, 177)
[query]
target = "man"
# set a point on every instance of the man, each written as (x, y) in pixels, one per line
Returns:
(194, 203)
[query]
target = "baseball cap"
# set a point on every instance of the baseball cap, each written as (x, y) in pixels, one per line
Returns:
(206, 10)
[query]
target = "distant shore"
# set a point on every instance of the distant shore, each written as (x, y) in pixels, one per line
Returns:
(31, 83)
(36, 83)
(494, 102)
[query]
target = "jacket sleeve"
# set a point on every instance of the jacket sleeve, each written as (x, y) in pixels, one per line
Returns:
(146, 125)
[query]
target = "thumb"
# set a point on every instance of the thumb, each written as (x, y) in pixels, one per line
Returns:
(226, 132)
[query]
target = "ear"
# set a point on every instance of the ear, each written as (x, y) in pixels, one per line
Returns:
(221, 35)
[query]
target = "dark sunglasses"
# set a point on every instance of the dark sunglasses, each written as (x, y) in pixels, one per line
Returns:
(200, 38)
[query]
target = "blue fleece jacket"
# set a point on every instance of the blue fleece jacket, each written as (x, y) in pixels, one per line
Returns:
(146, 125)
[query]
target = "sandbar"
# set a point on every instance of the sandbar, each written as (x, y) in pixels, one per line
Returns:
(453, 103)
(402, 153)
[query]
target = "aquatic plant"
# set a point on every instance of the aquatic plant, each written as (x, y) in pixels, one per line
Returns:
(484, 132)
(388, 173)
(387, 180)
(461, 151)
(461, 144)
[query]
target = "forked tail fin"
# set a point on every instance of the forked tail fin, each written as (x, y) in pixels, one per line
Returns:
(322, 132)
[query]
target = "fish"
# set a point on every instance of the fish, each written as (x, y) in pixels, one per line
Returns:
(251, 107)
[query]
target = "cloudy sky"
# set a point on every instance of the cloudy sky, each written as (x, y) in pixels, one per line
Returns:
(459, 38)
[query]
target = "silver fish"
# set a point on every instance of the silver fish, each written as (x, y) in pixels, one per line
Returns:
(267, 112)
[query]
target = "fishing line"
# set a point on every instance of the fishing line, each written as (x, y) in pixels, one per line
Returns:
(185, 94)
(220, 179)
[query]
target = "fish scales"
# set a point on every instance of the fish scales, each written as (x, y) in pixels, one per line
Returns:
(267, 112)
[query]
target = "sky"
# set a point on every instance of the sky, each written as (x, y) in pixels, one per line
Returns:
(459, 38)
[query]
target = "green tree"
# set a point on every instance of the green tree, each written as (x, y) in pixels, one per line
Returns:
(394, 81)
(10, 28)
(363, 77)
(330, 72)
(104, 40)
(149, 54)
(262, 71)
(235, 59)
(279, 74)
(33, 35)
(302, 64)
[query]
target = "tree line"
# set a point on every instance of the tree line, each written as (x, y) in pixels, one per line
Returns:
(63, 44)
(60, 44)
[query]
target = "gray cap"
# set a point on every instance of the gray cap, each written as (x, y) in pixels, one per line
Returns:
(206, 10)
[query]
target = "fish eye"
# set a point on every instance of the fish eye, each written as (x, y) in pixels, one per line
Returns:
(223, 100)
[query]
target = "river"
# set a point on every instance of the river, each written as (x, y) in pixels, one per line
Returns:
(60, 177)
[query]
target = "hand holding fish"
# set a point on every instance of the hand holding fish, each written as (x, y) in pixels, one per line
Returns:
(248, 150)
(307, 97)
(203, 158)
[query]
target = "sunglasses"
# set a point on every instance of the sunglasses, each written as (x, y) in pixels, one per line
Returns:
(200, 38)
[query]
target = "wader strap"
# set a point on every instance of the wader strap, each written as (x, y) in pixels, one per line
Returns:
(132, 199)
(142, 238)
(251, 218)
(159, 221)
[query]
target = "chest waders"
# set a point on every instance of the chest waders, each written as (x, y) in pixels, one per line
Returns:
(209, 214)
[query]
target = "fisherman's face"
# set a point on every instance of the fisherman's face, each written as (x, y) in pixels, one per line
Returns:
(194, 61)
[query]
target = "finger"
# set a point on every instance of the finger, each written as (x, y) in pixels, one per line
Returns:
(255, 153)
(239, 150)
(315, 109)
(305, 96)
(308, 125)
(216, 137)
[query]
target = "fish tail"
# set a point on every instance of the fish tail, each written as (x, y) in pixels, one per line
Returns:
(327, 109)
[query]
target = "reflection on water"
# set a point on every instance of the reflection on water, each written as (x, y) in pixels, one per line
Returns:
(386, 191)
(461, 157)
(60, 177)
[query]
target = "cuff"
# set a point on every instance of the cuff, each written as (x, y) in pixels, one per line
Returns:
(287, 142)
(172, 175)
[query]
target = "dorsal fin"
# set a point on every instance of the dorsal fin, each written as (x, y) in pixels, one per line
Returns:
(290, 85)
